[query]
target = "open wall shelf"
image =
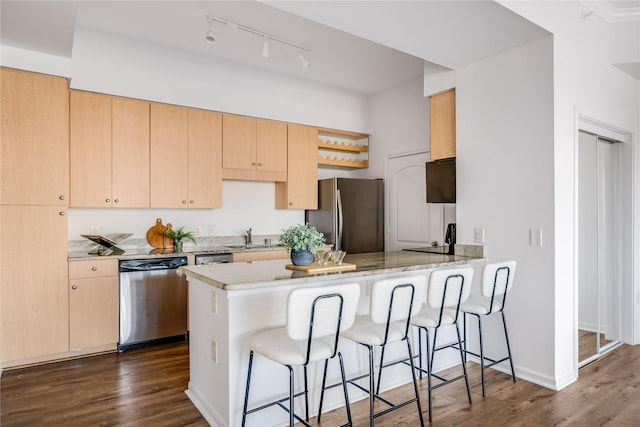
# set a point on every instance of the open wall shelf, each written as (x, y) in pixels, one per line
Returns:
(343, 149)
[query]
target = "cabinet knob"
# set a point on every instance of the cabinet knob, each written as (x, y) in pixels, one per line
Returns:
(107, 200)
(61, 213)
(191, 201)
(259, 164)
(290, 203)
(253, 163)
(184, 202)
(61, 197)
(117, 200)
(74, 287)
(94, 268)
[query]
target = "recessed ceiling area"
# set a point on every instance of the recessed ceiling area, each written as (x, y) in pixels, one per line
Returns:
(360, 55)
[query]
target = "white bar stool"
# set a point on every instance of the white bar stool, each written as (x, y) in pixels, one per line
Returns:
(497, 280)
(392, 303)
(315, 318)
(447, 290)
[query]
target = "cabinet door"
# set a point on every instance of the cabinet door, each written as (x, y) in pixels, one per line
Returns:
(90, 149)
(271, 146)
(443, 125)
(169, 156)
(130, 148)
(301, 189)
(238, 142)
(205, 159)
(93, 312)
(34, 168)
(35, 304)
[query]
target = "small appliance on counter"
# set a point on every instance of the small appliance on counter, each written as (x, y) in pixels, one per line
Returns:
(450, 238)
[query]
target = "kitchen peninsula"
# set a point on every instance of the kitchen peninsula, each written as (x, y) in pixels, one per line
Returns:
(230, 302)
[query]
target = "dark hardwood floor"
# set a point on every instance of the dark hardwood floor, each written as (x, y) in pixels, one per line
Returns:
(146, 387)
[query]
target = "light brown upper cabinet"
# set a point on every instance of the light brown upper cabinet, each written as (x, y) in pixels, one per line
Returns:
(254, 149)
(185, 157)
(34, 162)
(300, 191)
(443, 125)
(109, 151)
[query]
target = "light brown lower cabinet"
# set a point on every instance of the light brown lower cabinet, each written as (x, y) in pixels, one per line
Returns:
(93, 305)
(34, 279)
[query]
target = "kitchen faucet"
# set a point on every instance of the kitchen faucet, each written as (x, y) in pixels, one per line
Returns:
(249, 238)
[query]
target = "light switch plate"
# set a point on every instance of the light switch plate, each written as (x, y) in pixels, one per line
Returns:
(478, 235)
(535, 237)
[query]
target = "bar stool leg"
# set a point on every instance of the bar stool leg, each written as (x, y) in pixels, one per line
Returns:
(429, 367)
(291, 393)
(380, 370)
(306, 395)
(246, 391)
(324, 382)
(506, 336)
(371, 384)
(415, 383)
(344, 388)
(481, 351)
(464, 366)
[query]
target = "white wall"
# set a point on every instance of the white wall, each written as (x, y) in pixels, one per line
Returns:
(399, 124)
(584, 83)
(504, 113)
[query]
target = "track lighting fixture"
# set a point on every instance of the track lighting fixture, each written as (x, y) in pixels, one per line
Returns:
(211, 37)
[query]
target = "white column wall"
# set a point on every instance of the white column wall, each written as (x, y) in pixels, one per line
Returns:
(504, 113)
(585, 83)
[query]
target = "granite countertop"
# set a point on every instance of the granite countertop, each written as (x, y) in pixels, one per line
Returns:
(262, 274)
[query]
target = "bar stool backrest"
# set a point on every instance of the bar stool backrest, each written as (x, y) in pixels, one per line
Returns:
(406, 299)
(497, 278)
(321, 311)
(449, 287)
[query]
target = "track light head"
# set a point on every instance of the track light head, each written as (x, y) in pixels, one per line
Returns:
(211, 36)
(304, 61)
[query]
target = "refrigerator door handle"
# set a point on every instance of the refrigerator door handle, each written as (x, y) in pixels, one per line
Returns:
(339, 236)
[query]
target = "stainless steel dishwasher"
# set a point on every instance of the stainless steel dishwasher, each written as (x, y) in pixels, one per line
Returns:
(153, 302)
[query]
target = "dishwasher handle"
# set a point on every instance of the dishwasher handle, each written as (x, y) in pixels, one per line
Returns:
(152, 264)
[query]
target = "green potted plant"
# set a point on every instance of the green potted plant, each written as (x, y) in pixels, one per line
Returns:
(178, 235)
(303, 240)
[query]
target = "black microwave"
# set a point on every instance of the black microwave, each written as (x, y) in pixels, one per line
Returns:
(441, 181)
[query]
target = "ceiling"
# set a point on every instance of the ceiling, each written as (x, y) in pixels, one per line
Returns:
(387, 44)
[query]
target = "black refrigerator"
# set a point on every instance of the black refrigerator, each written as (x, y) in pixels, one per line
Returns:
(350, 214)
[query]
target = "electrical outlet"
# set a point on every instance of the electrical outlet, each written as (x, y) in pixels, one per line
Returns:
(478, 235)
(198, 230)
(94, 229)
(214, 303)
(211, 228)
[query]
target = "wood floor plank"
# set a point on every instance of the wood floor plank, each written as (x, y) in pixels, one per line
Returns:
(145, 387)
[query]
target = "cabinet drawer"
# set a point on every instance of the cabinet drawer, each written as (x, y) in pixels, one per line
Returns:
(260, 255)
(93, 268)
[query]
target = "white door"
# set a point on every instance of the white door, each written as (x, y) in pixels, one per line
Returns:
(412, 222)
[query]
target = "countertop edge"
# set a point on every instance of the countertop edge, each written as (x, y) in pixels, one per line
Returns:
(193, 271)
